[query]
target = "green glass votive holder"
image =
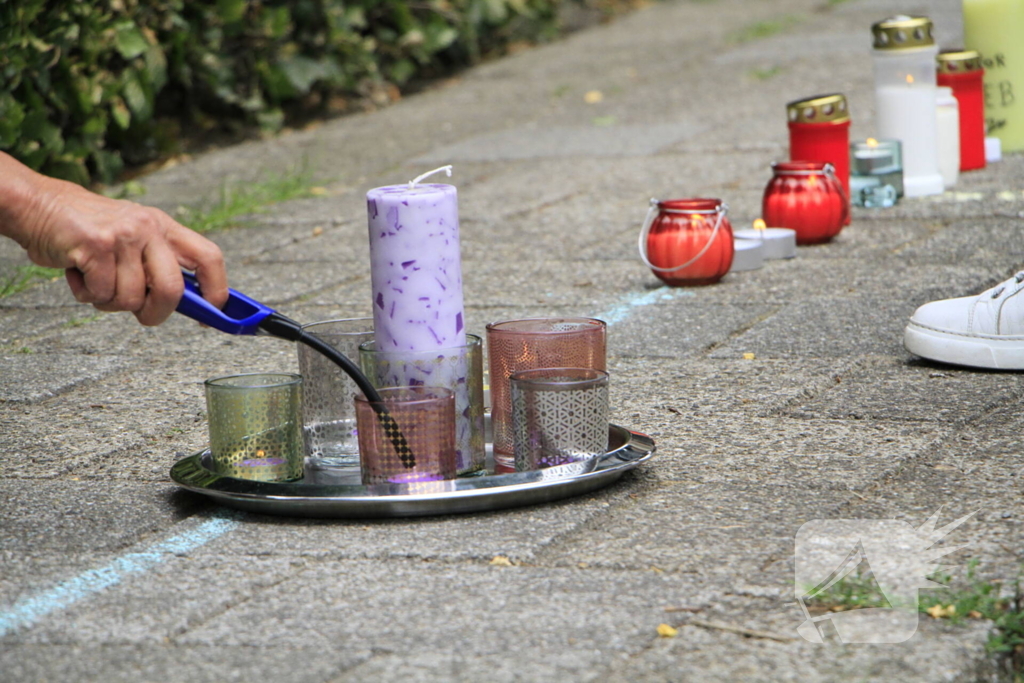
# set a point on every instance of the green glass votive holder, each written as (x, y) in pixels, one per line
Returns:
(255, 425)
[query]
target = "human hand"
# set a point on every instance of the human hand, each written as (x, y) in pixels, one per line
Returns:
(118, 255)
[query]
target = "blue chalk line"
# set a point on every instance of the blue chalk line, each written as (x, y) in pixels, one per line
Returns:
(625, 309)
(27, 611)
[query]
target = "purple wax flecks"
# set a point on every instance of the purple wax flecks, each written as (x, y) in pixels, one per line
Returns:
(380, 300)
(424, 311)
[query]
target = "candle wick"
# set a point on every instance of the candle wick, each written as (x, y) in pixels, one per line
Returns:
(447, 169)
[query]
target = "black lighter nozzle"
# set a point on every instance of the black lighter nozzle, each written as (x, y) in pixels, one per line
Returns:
(281, 326)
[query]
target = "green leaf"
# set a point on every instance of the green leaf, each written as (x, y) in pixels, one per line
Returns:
(108, 164)
(128, 40)
(303, 72)
(231, 11)
(122, 117)
(36, 127)
(11, 116)
(94, 128)
(156, 67)
(271, 120)
(135, 96)
(68, 169)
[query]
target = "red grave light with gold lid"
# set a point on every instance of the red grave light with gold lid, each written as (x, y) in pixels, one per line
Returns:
(687, 242)
(819, 130)
(962, 71)
(805, 196)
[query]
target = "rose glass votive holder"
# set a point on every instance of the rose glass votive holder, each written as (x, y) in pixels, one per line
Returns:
(459, 368)
(328, 399)
(528, 344)
(426, 418)
(559, 418)
(255, 425)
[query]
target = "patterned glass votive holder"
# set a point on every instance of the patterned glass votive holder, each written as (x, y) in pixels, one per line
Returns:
(255, 423)
(426, 418)
(460, 368)
(528, 344)
(328, 399)
(559, 418)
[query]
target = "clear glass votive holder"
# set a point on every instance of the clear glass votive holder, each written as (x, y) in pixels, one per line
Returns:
(255, 424)
(528, 344)
(559, 418)
(459, 368)
(426, 418)
(328, 402)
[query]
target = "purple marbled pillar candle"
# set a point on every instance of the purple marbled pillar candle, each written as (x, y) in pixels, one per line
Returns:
(415, 267)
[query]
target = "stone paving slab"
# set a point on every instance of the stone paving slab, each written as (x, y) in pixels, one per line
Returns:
(163, 662)
(830, 418)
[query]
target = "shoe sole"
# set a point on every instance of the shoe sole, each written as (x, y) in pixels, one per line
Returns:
(958, 349)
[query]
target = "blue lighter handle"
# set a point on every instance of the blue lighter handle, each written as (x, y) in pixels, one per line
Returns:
(241, 315)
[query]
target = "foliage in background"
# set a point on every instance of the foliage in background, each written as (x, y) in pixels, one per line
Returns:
(87, 86)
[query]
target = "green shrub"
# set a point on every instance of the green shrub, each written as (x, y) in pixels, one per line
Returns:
(86, 86)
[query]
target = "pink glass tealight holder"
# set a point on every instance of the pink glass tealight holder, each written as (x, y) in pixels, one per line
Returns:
(426, 418)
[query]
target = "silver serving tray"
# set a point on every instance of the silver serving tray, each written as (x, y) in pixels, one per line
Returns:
(339, 494)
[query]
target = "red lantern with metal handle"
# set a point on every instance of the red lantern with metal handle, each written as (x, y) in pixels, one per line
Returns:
(819, 130)
(687, 242)
(807, 197)
(962, 71)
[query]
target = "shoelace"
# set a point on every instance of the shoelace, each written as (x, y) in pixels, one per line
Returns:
(1018, 278)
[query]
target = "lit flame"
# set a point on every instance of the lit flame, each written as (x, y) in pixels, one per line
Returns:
(759, 224)
(872, 142)
(910, 79)
(260, 453)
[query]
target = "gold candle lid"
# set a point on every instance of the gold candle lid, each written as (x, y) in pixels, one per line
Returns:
(903, 33)
(819, 109)
(958, 61)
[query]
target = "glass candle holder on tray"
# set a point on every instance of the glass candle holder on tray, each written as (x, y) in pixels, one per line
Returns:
(528, 344)
(328, 393)
(255, 423)
(559, 418)
(459, 368)
(426, 418)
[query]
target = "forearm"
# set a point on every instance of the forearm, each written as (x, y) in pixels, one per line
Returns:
(25, 199)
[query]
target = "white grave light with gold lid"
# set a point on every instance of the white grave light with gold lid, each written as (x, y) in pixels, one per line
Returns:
(905, 105)
(778, 242)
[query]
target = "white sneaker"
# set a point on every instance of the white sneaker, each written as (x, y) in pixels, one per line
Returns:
(983, 331)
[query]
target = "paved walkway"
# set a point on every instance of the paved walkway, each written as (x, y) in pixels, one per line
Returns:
(109, 572)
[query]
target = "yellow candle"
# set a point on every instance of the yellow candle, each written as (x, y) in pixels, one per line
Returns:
(995, 28)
